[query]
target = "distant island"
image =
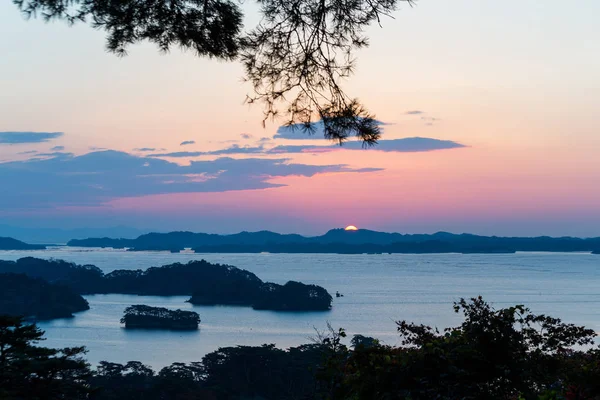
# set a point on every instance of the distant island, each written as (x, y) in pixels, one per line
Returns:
(342, 242)
(7, 243)
(33, 298)
(146, 317)
(63, 235)
(206, 283)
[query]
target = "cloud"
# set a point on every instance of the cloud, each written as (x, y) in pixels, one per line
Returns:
(187, 142)
(300, 132)
(178, 154)
(237, 149)
(299, 148)
(55, 154)
(404, 145)
(246, 136)
(429, 120)
(58, 148)
(28, 152)
(145, 149)
(264, 139)
(233, 149)
(97, 177)
(27, 137)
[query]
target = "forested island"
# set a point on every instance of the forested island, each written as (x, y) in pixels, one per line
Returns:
(206, 283)
(34, 298)
(146, 317)
(7, 243)
(293, 296)
(342, 242)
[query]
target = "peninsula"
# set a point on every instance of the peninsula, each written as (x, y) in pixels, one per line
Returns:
(7, 243)
(34, 298)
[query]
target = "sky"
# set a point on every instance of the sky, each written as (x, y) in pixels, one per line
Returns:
(489, 111)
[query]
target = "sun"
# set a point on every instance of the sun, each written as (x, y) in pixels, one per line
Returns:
(350, 228)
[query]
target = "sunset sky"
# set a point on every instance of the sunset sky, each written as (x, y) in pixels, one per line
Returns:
(504, 96)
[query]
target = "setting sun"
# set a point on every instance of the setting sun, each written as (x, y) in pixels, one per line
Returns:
(350, 228)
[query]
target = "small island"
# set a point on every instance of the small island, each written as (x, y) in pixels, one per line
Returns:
(145, 317)
(36, 299)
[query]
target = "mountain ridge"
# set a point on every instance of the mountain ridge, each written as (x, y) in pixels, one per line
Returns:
(341, 241)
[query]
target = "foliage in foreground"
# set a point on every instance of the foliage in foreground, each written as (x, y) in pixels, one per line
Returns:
(508, 353)
(31, 372)
(504, 354)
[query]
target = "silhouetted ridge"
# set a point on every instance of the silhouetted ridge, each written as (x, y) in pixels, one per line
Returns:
(22, 295)
(7, 243)
(84, 279)
(293, 296)
(207, 283)
(342, 241)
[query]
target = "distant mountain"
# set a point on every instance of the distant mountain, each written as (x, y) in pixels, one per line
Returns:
(7, 243)
(341, 241)
(62, 236)
(182, 240)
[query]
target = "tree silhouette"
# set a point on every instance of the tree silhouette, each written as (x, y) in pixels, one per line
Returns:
(496, 354)
(295, 58)
(28, 371)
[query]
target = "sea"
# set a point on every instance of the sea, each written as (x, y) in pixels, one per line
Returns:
(378, 290)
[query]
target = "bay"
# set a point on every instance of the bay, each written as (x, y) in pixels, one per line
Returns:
(378, 290)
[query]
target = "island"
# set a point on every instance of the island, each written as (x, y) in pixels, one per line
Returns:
(341, 241)
(145, 317)
(206, 283)
(7, 243)
(293, 296)
(36, 299)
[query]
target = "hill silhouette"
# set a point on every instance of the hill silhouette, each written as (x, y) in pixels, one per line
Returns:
(342, 241)
(21, 295)
(206, 283)
(7, 243)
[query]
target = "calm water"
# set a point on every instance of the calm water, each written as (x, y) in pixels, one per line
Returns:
(378, 290)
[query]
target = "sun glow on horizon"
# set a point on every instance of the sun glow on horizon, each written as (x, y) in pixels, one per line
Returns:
(350, 228)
